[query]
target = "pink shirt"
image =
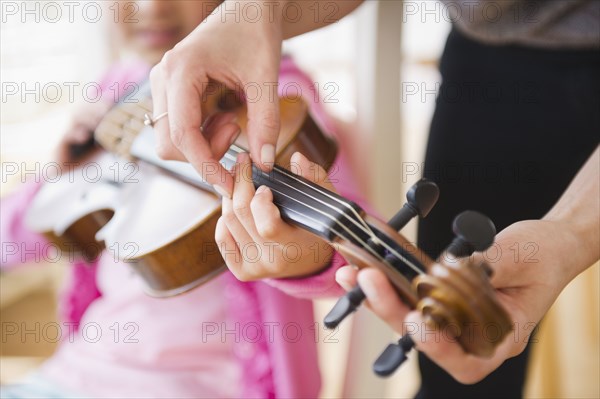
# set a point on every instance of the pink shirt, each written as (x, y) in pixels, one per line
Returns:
(225, 339)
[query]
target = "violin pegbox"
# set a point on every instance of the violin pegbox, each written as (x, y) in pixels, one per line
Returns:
(420, 199)
(456, 294)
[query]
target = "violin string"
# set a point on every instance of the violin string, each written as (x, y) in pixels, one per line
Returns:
(322, 192)
(350, 232)
(317, 188)
(335, 220)
(368, 231)
(358, 222)
(335, 232)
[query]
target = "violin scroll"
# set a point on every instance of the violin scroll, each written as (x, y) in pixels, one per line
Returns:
(456, 295)
(420, 199)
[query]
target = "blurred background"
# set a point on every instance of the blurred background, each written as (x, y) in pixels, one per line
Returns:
(379, 72)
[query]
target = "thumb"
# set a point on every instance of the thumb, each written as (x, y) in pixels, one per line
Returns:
(301, 166)
(263, 124)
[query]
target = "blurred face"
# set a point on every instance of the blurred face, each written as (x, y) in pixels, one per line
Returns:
(151, 27)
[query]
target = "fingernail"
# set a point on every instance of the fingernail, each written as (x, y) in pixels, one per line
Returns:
(343, 283)
(267, 154)
(295, 156)
(261, 189)
(221, 191)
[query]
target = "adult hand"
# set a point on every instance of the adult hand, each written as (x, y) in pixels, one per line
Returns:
(537, 259)
(244, 55)
(527, 282)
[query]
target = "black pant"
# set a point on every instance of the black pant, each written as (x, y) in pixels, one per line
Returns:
(512, 127)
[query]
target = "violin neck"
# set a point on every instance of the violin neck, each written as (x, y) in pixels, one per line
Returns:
(304, 203)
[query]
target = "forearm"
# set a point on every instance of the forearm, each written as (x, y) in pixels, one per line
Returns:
(578, 210)
(295, 17)
(312, 14)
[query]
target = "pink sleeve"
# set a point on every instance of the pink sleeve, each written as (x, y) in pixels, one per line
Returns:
(19, 245)
(317, 286)
(322, 284)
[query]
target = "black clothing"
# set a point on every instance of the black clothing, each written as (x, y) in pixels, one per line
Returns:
(512, 127)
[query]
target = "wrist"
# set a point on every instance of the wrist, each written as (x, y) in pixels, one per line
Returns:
(580, 238)
(255, 11)
(577, 214)
(315, 268)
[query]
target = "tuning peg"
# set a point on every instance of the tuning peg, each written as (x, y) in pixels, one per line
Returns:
(393, 356)
(421, 197)
(344, 306)
(474, 232)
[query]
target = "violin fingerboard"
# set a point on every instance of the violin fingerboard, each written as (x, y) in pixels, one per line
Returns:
(309, 205)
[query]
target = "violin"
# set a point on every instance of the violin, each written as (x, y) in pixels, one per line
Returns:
(70, 209)
(137, 216)
(177, 253)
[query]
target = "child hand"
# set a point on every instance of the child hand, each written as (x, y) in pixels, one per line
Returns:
(253, 239)
(81, 128)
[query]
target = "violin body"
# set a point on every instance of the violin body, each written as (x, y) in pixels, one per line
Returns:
(73, 207)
